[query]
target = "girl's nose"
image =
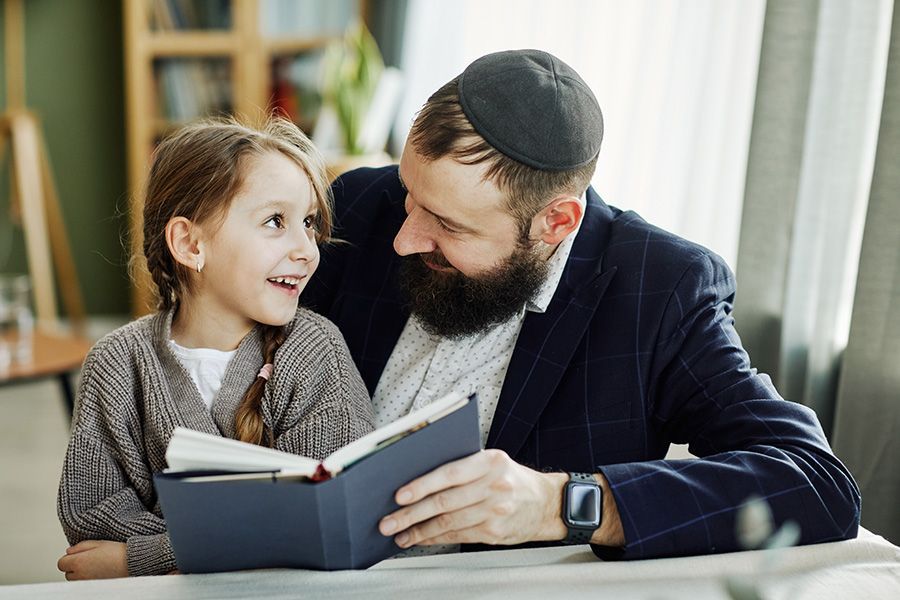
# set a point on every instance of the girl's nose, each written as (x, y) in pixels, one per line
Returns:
(305, 249)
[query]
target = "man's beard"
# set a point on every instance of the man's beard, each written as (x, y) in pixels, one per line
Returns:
(452, 305)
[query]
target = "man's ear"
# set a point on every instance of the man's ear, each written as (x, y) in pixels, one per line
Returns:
(183, 239)
(557, 220)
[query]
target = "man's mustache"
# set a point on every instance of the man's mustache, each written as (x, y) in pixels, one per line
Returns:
(437, 259)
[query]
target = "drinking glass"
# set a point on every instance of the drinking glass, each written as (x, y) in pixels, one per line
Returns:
(16, 321)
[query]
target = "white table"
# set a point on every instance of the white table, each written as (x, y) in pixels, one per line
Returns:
(867, 567)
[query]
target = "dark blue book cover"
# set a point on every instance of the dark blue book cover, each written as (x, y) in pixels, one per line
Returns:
(251, 524)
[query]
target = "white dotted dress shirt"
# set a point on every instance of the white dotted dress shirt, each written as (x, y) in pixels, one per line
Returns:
(423, 368)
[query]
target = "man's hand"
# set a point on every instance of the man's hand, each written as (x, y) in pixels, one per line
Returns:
(489, 498)
(94, 559)
(486, 498)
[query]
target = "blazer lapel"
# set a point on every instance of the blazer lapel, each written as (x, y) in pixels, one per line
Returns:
(548, 341)
(372, 333)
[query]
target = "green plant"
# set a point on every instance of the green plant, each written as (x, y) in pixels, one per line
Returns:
(351, 70)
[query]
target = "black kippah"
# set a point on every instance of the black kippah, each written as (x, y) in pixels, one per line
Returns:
(532, 107)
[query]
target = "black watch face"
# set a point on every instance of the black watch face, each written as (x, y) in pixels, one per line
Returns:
(583, 508)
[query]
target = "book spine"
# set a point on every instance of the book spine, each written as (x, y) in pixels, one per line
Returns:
(334, 525)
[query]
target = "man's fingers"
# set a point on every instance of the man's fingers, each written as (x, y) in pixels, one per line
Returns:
(471, 535)
(436, 507)
(444, 526)
(458, 472)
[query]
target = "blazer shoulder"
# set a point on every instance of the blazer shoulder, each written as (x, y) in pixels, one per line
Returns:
(639, 247)
(630, 229)
(360, 196)
(356, 189)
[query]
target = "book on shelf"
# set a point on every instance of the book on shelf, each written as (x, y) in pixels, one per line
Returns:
(191, 88)
(309, 18)
(170, 15)
(295, 84)
(230, 505)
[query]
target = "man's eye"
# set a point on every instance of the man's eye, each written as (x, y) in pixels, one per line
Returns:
(275, 221)
(445, 228)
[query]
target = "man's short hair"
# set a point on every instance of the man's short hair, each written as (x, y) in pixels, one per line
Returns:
(441, 129)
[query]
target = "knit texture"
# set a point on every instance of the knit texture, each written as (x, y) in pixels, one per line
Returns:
(134, 392)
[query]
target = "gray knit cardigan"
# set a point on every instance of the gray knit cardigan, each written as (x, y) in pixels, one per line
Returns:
(134, 392)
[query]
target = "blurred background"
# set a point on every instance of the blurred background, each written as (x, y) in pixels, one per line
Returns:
(767, 131)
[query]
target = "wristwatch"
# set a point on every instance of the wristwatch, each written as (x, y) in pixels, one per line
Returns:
(582, 507)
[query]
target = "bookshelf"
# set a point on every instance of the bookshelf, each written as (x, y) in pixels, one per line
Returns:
(186, 59)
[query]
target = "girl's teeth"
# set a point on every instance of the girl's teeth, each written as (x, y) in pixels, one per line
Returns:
(285, 280)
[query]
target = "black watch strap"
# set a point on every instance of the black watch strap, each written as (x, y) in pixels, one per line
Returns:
(581, 533)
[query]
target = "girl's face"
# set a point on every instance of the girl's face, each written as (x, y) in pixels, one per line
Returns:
(259, 260)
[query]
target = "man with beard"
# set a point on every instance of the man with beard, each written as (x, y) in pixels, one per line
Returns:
(485, 262)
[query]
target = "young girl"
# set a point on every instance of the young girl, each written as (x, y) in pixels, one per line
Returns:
(232, 219)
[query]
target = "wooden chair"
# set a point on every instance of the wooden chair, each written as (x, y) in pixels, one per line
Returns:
(34, 203)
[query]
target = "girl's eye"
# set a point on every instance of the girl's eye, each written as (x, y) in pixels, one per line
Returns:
(276, 221)
(311, 222)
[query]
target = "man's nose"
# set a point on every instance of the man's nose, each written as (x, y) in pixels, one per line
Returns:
(414, 236)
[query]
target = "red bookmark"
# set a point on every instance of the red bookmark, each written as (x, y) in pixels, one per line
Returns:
(321, 474)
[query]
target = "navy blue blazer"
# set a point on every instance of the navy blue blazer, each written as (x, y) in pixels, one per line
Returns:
(636, 350)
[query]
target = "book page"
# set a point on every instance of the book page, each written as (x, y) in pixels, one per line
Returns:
(341, 458)
(191, 450)
(273, 476)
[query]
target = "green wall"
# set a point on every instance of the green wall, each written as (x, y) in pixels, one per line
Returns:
(74, 81)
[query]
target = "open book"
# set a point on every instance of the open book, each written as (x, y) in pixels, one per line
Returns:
(191, 450)
(230, 505)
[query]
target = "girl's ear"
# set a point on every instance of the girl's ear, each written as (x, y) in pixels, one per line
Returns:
(183, 239)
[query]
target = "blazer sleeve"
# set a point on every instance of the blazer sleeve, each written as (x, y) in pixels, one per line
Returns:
(750, 441)
(103, 467)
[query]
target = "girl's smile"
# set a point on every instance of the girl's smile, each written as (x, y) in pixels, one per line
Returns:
(288, 284)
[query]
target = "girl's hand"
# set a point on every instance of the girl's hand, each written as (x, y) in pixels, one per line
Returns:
(94, 559)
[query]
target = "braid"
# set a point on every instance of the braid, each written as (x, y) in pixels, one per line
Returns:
(248, 422)
(162, 269)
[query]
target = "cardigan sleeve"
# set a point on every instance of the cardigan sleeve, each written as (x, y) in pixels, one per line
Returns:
(105, 474)
(749, 440)
(328, 405)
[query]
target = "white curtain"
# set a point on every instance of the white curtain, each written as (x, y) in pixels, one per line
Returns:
(867, 415)
(818, 107)
(675, 80)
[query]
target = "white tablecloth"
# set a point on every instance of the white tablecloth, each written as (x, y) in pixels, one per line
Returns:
(867, 567)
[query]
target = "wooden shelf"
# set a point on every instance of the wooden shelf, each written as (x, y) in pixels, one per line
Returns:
(249, 54)
(192, 43)
(282, 46)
